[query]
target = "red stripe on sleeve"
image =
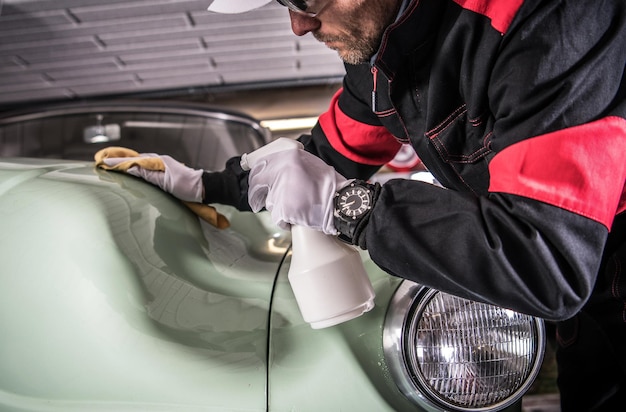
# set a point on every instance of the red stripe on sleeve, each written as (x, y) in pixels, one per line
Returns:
(500, 12)
(359, 142)
(581, 169)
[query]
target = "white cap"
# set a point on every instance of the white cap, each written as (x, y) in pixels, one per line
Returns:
(236, 6)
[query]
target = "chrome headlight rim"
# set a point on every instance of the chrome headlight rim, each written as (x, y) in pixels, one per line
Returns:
(409, 301)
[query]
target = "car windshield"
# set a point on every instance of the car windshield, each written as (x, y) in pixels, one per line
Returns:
(197, 136)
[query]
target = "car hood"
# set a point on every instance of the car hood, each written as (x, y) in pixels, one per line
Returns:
(115, 297)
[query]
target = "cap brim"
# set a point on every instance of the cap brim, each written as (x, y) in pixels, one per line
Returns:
(236, 6)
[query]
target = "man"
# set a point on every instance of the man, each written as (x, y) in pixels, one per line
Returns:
(518, 107)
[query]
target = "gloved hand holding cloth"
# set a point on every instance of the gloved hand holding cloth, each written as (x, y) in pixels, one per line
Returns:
(295, 186)
(170, 175)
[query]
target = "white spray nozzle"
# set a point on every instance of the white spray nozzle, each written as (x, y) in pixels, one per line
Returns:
(248, 160)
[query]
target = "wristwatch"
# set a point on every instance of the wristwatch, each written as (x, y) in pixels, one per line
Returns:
(353, 205)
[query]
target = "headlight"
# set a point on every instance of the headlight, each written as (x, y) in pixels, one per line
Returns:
(451, 354)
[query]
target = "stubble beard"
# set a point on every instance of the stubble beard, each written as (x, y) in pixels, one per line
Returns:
(361, 37)
(352, 49)
(363, 33)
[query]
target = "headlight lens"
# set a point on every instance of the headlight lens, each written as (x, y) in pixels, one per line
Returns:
(450, 353)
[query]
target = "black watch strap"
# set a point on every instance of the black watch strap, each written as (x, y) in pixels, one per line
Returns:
(350, 229)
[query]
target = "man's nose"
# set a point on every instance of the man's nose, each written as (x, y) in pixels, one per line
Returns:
(302, 24)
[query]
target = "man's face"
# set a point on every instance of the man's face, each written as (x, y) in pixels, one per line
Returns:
(353, 28)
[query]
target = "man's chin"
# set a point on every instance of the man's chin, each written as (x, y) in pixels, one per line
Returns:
(348, 55)
(351, 57)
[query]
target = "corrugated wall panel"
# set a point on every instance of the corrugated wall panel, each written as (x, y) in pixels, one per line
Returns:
(60, 49)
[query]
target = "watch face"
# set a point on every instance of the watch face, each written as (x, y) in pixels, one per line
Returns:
(353, 201)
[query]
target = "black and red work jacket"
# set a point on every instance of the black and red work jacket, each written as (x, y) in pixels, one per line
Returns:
(518, 108)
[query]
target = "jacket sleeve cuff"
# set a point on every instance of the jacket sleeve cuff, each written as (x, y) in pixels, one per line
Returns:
(228, 187)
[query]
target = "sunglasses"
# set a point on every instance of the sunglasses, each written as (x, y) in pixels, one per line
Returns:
(307, 7)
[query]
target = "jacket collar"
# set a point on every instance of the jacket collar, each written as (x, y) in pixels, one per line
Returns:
(415, 25)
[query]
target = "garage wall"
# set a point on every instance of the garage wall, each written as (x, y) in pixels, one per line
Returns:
(74, 49)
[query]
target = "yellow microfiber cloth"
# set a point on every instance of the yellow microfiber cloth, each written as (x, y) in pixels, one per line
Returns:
(205, 212)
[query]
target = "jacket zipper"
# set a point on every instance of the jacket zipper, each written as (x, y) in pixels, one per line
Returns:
(374, 71)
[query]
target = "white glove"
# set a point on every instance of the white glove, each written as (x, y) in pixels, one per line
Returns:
(297, 188)
(181, 181)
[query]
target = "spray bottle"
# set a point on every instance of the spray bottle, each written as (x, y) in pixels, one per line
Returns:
(326, 275)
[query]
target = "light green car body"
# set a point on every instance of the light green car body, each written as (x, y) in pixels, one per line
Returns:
(115, 297)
